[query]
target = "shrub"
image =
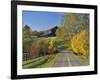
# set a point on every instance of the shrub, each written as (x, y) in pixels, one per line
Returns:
(34, 52)
(41, 46)
(52, 46)
(50, 50)
(80, 43)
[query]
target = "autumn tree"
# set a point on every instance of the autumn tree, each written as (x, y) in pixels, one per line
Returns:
(59, 34)
(52, 46)
(80, 43)
(72, 24)
(65, 32)
(52, 43)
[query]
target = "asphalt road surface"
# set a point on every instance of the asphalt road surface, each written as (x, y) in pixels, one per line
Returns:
(68, 59)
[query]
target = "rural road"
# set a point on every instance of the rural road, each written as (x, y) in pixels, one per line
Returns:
(68, 59)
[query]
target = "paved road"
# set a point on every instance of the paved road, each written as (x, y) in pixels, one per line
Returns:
(68, 59)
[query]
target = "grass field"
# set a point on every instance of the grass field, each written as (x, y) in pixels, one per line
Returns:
(35, 62)
(41, 62)
(51, 61)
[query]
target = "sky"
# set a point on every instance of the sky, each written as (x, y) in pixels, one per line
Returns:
(40, 21)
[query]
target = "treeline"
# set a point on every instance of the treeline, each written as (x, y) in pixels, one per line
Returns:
(74, 32)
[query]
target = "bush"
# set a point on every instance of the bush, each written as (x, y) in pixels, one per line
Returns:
(80, 43)
(34, 52)
(41, 47)
(52, 46)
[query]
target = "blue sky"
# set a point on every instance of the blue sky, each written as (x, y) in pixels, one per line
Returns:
(41, 20)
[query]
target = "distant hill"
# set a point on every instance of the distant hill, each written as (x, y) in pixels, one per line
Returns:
(51, 32)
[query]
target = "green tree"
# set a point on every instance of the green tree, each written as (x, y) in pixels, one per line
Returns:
(36, 33)
(52, 43)
(27, 38)
(27, 31)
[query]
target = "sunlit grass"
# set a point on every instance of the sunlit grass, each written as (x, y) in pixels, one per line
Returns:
(51, 61)
(82, 59)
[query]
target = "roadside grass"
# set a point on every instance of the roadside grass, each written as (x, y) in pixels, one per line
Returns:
(35, 62)
(82, 59)
(51, 61)
(32, 60)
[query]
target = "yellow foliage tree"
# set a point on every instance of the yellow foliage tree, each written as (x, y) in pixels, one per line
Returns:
(80, 43)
